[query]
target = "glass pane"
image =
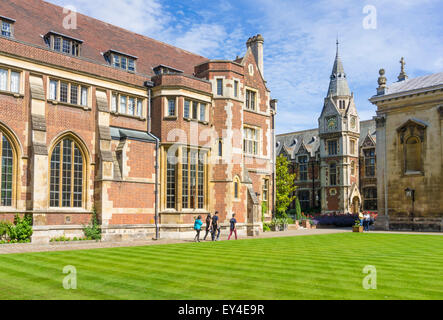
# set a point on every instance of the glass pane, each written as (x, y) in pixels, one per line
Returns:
(186, 109)
(74, 94)
(139, 107)
(15, 82)
(170, 180)
(3, 79)
(57, 41)
(202, 112)
(53, 90)
(7, 172)
(63, 92)
(67, 173)
(84, 101)
(78, 178)
(201, 185)
(185, 183)
(122, 104)
(131, 106)
(55, 177)
(114, 103)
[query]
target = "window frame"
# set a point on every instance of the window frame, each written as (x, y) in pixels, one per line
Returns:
(60, 142)
(373, 166)
(116, 109)
(219, 86)
(4, 22)
(332, 147)
(303, 174)
(13, 173)
(80, 93)
(251, 100)
(254, 144)
(332, 175)
(8, 80)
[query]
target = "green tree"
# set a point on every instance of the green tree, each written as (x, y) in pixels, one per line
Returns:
(284, 186)
(298, 209)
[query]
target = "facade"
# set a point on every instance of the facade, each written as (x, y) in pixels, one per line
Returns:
(97, 118)
(409, 152)
(335, 163)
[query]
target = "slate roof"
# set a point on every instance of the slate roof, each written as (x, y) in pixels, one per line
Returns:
(291, 142)
(35, 18)
(423, 82)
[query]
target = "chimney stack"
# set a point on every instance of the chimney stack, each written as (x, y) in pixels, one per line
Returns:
(256, 45)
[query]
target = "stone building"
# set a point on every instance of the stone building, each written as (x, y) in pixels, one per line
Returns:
(96, 117)
(335, 163)
(410, 150)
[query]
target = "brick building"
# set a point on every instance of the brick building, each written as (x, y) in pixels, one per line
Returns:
(334, 164)
(99, 117)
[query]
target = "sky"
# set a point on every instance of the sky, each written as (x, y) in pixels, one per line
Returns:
(300, 41)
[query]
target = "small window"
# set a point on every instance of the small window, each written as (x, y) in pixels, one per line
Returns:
(332, 147)
(352, 168)
(250, 100)
(369, 162)
(84, 97)
(236, 89)
(171, 107)
(4, 79)
(6, 29)
(186, 109)
(121, 61)
(64, 44)
(15, 82)
(353, 151)
(123, 100)
(114, 102)
(236, 189)
(63, 92)
(303, 168)
(9, 80)
(53, 89)
(131, 65)
(74, 94)
(139, 108)
(131, 106)
(332, 174)
(220, 87)
(251, 141)
(194, 110)
(116, 61)
(202, 112)
(220, 148)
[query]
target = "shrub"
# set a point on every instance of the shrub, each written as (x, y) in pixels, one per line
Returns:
(4, 228)
(21, 230)
(266, 227)
(93, 231)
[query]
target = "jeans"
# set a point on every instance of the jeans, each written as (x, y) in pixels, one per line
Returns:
(235, 231)
(207, 231)
(197, 236)
(214, 230)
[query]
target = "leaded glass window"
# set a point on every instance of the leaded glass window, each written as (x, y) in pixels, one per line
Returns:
(66, 175)
(7, 167)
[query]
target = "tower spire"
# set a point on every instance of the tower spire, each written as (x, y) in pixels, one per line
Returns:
(338, 85)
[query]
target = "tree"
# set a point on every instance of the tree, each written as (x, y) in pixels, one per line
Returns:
(284, 186)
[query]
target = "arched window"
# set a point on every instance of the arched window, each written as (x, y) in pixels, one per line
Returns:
(7, 170)
(67, 175)
(413, 154)
(332, 174)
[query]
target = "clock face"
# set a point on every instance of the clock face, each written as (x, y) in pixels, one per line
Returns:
(332, 123)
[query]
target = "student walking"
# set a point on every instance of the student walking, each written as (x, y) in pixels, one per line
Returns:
(197, 227)
(215, 227)
(233, 228)
(367, 221)
(208, 225)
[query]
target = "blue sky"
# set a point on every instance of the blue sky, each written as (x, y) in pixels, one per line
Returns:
(300, 40)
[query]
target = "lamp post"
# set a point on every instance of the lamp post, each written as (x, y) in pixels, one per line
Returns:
(410, 193)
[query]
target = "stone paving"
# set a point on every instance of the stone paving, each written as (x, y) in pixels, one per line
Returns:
(84, 245)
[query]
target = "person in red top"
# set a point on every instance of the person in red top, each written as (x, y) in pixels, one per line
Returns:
(233, 223)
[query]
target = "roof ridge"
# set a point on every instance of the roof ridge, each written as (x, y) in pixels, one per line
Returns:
(129, 31)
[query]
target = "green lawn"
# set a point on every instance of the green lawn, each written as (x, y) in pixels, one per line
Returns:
(304, 267)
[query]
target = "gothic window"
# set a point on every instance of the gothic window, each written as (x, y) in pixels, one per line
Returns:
(369, 155)
(67, 175)
(7, 171)
(370, 198)
(303, 168)
(236, 187)
(332, 174)
(413, 155)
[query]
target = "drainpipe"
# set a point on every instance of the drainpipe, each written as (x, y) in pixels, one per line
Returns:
(150, 85)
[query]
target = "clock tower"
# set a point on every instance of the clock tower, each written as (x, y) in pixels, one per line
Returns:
(339, 131)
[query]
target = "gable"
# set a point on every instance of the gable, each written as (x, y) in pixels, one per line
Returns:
(368, 142)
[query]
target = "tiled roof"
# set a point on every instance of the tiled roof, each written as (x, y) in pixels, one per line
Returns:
(35, 18)
(416, 83)
(291, 142)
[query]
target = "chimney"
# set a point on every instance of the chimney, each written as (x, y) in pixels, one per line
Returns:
(256, 45)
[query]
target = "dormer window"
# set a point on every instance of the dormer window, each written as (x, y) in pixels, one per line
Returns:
(6, 26)
(62, 43)
(120, 60)
(162, 69)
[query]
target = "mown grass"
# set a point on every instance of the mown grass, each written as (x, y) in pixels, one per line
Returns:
(305, 267)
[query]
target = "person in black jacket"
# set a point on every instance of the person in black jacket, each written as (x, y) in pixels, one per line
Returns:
(215, 227)
(208, 225)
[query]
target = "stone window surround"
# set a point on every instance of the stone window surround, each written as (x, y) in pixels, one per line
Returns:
(117, 113)
(21, 91)
(69, 82)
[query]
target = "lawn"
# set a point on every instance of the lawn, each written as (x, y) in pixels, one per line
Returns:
(304, 267)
